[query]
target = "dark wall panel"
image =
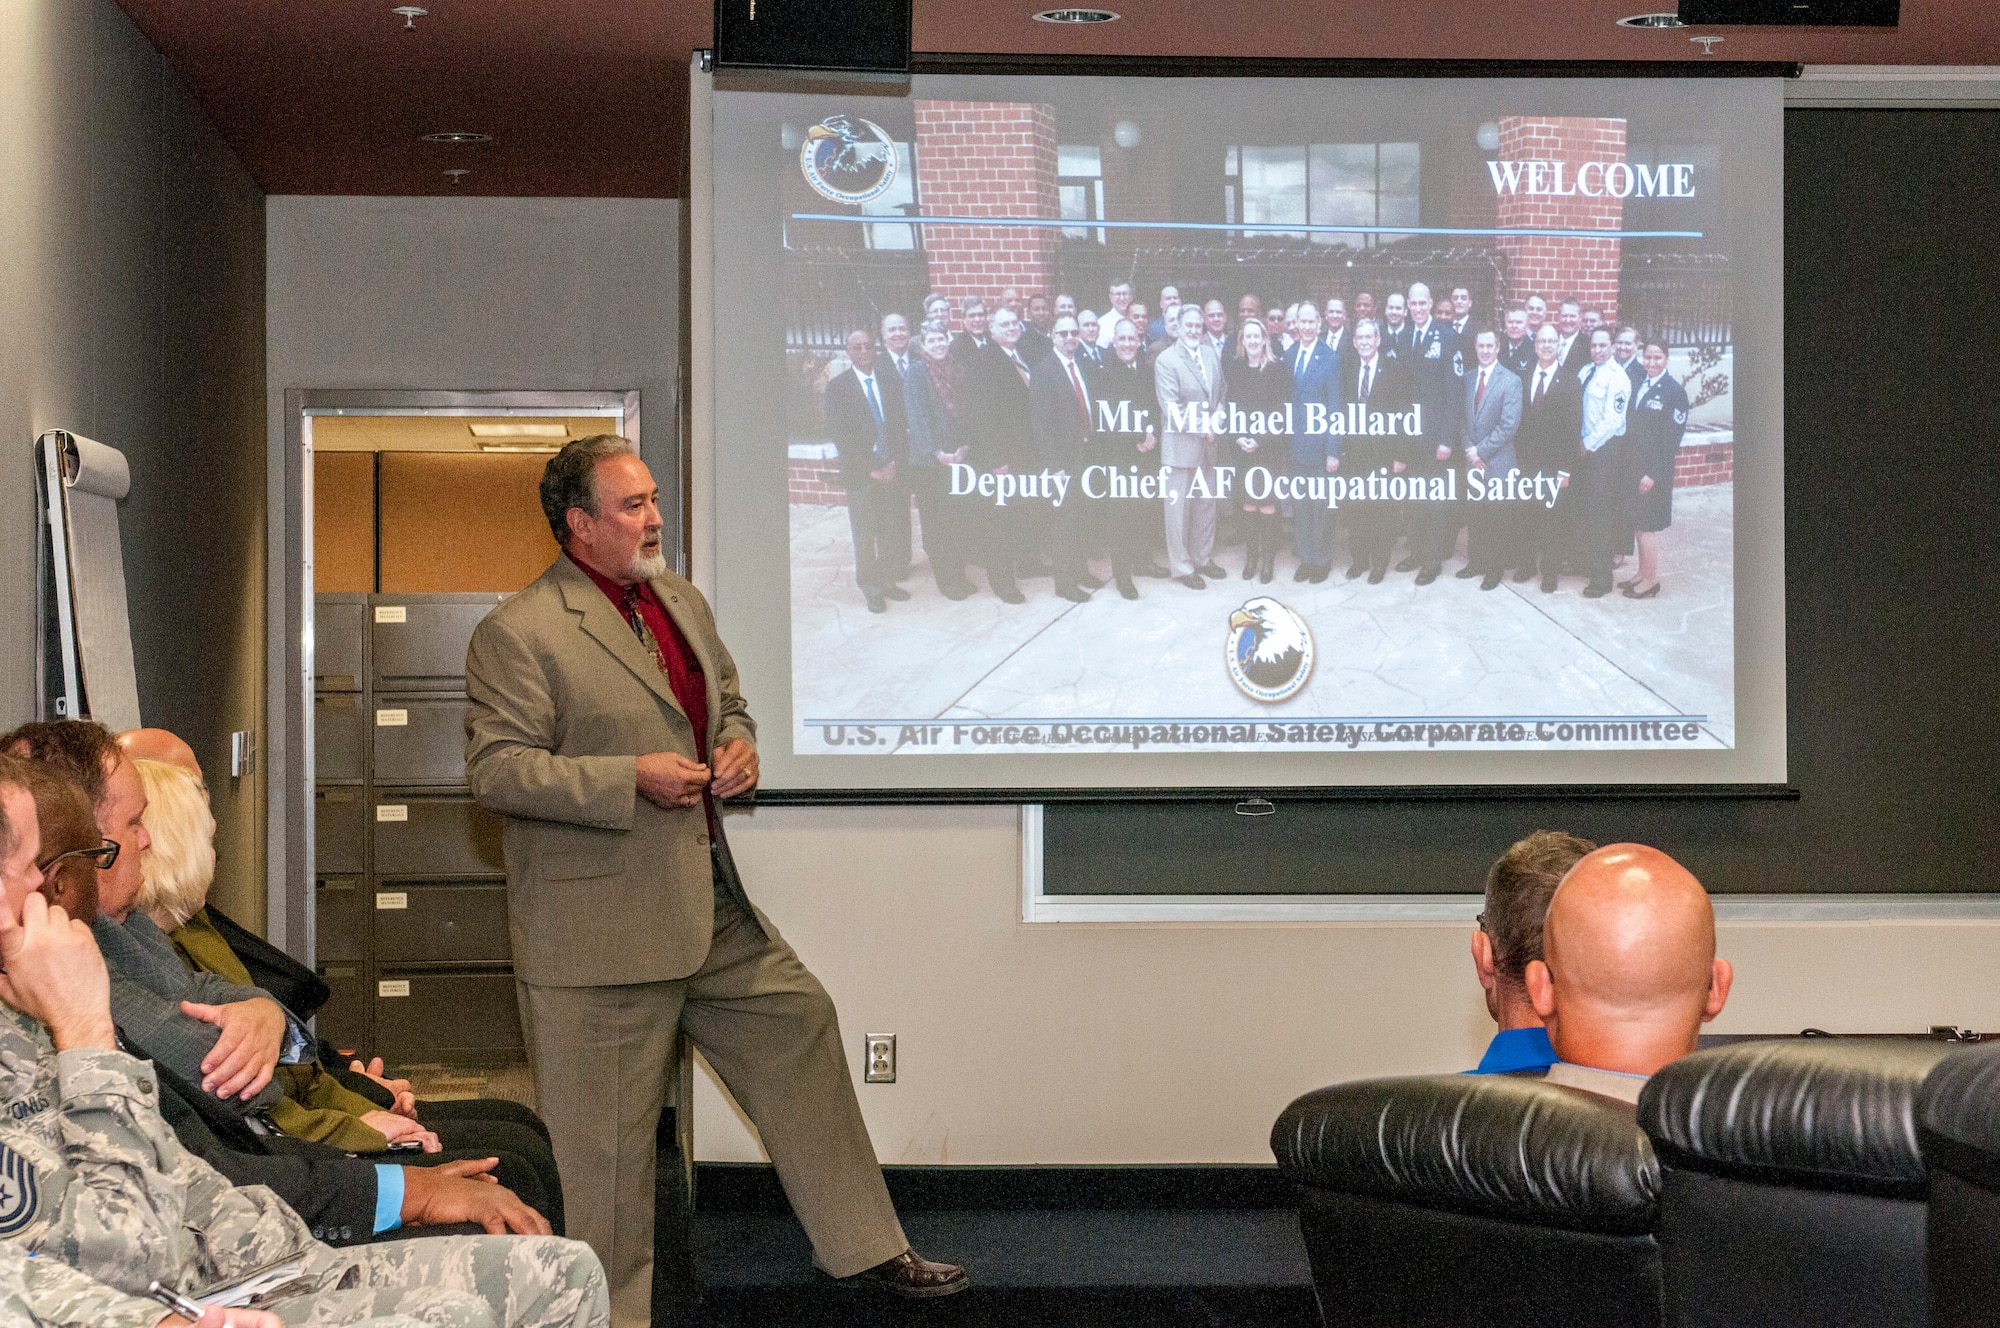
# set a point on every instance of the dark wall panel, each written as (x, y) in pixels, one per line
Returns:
(1891, 402)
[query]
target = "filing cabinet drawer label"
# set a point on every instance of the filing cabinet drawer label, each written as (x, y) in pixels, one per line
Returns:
(391, 613)
(392, 811)
(392, 899)
(393, 987)
(392, 719)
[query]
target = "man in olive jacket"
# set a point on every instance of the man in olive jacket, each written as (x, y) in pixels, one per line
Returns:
(605, 723)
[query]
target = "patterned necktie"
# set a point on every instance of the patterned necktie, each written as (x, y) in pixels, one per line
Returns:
(1479, 396)
(637, 621)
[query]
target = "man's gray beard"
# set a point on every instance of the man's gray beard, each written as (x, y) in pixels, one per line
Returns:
(647, 568)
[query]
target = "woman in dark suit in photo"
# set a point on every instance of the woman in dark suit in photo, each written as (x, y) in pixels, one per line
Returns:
(1130, 525)
(934, 399)
(1259, 383)
(1654, 425)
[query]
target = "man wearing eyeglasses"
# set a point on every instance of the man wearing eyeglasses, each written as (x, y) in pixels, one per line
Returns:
(211, 1032)
(72, 851)
(20, 837)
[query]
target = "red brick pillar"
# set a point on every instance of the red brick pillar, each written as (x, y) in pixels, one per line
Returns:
(987, 159)
(1561, 268)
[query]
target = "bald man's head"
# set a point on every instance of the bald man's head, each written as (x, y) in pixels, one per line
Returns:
(158, 745)
(1629, 972)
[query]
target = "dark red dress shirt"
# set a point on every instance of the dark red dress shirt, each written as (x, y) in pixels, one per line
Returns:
(676, 659)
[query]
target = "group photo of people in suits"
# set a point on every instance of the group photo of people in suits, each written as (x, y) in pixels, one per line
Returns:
(1543, 442)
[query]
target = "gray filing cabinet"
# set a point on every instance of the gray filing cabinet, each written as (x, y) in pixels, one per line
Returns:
(410, 882)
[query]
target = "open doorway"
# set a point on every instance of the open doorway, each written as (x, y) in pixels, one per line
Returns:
(415, 515)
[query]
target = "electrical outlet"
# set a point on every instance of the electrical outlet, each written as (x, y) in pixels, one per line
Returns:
(878, 1058)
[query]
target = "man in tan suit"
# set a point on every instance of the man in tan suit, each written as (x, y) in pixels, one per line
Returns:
(605, 722)
(1187, 378)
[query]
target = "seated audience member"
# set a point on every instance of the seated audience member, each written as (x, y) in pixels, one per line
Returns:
(1628, 973)
(178, 870)
(72, 850)
(97, 1181)
(294, 984)
(1518, 889)
(205, 1030)
(344, 1199)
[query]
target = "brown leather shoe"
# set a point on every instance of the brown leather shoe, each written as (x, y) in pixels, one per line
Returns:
(910, 1274)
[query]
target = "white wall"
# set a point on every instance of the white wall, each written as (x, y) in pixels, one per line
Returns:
(1182, 1042)
(1018, 1044)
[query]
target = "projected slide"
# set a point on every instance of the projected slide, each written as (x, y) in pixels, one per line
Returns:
(1129, 417)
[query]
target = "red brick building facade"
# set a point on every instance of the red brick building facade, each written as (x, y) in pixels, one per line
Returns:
(999, 159)
(993, 159)
(1561, 268)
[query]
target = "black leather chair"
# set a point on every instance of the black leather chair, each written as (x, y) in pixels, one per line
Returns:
(1465, 1199)
(1958, 1124)
(1793, 1186)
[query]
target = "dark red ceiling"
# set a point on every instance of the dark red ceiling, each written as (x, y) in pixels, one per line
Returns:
(589, 97)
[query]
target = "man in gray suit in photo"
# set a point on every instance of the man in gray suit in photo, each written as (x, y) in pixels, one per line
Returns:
(605, 723)
(1187, 378)
(1492, 418)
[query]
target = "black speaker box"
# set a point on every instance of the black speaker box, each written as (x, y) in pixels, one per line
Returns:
(1792, 13)
(866, 37)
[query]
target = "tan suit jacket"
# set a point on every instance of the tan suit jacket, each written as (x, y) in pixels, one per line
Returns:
(603, 887)
(1177, 380)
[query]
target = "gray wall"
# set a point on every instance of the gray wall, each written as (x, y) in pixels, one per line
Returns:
(131, 297)
(477, 294)
(454, 294)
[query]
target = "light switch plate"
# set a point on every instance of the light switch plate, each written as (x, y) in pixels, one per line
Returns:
(242, 753)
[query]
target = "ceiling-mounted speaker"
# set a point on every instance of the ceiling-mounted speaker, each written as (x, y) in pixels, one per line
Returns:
(862, 38)
(1792, 13)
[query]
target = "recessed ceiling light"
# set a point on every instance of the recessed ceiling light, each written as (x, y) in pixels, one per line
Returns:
(1075, 16)
(518, 429)
(458, 136)
(1651, 21)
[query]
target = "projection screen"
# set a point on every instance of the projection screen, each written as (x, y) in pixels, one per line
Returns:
(993, 490)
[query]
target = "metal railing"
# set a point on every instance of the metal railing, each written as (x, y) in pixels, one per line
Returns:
(1678, 299)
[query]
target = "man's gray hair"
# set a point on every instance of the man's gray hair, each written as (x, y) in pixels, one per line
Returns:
(570, 479)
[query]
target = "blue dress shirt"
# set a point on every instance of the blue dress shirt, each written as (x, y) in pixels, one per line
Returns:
(1517, 1049)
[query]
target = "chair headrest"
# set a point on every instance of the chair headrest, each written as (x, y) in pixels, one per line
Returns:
(1494, 1145)
(1958, 1114)
(1827, 1113)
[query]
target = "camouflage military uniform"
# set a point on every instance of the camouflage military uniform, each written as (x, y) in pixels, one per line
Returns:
(91, 1175)
(48, 1293)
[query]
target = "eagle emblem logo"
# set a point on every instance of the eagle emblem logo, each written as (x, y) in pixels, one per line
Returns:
(18, 1191)
(848, 159)
(1269, 651)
